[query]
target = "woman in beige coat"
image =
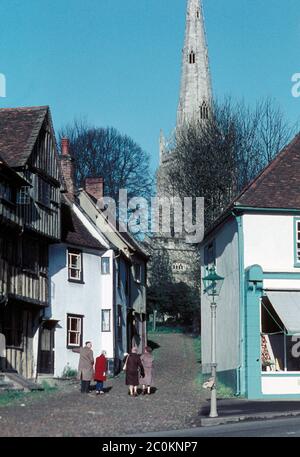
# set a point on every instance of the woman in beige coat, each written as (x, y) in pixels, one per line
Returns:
(85, 366)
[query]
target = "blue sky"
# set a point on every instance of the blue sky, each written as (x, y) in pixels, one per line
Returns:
(117, 63)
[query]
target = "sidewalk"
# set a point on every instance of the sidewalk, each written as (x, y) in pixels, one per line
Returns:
(237, 410)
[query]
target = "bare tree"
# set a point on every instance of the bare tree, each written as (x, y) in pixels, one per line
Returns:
(217, 158)
(105, 152)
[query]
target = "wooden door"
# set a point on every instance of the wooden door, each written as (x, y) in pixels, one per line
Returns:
(46, 349)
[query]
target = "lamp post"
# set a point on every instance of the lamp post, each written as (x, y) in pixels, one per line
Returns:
(212, 287)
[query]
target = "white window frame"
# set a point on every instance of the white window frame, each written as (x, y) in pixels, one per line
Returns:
(105, 313)
(297, 242)
(77, 267)
(103, 262)
(77, 332)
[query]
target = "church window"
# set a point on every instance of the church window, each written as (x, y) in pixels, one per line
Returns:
(198, 14)
(192, 57)
(204, 111)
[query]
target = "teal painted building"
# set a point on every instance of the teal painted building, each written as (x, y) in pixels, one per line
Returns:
(255, 245)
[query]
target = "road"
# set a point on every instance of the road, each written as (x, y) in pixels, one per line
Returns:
(69, 413)
(288, 427)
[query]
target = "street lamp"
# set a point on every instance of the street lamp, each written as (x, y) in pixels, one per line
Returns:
(212, 287)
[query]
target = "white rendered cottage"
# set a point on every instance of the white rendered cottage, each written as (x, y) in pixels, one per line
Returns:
(129, 264)
(255, 246)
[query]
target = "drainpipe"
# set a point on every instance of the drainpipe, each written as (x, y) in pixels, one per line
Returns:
(239, 221)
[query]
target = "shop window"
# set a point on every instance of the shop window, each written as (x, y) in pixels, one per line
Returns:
(276, 344)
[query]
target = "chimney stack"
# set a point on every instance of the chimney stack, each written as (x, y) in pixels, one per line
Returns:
(65, 146)
(94, 187)
(67, 167)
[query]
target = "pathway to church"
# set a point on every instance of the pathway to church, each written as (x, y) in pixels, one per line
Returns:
(67, 412)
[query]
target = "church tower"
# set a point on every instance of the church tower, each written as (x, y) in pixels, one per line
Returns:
(195, 98)
(178, 259)
(195, 92)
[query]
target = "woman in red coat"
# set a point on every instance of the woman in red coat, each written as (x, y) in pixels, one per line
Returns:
(100, 372)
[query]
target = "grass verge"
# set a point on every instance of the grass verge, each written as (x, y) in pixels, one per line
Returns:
(223, 391)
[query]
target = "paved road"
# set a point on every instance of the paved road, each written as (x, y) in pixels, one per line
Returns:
(288, 427)
(70, 413)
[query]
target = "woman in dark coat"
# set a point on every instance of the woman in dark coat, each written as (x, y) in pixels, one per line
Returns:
(133, 365)
(100, 372)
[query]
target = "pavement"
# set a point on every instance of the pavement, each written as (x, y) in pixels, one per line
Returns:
(238, 410)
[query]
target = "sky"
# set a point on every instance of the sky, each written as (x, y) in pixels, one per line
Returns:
(118, 63)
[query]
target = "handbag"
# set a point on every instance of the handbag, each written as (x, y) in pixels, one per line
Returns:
(125, 364)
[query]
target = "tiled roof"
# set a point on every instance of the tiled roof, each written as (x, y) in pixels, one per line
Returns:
(74, 232)
(127, 237)
(19, 128)
(278, 185)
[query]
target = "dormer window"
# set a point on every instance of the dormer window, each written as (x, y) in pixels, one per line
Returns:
(192, 57)
(204, 111)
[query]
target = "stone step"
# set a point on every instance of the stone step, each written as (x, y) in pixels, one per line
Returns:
(21, 383)
(11, 389)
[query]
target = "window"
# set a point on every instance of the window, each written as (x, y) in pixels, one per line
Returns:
(297, 241)
(6, 192)
(204, 111)
(192, 57)
(210, 254)
(23, 197)
(276, 343)
(105, 320)
(137, 272)
(105, 266)
(119, 274)
(74, 330)
(43, 194)
(75, 265)
(30, 255)
(119, 323)
(127, 281)
(12, 325)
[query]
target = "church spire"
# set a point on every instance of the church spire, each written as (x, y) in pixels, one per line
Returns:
(195, 92)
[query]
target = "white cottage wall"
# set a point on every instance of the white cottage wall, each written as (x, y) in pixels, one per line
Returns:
(227, 265)
(71, 298)
(269, 242)
(107, 300)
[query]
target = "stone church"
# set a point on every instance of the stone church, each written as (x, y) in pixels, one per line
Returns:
(172, 257)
